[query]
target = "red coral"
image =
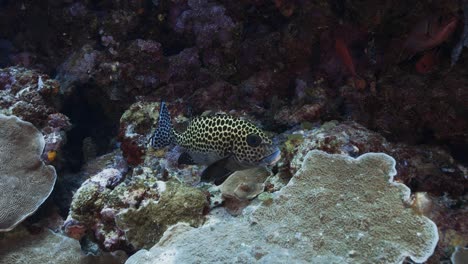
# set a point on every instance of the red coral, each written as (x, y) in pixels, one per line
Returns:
(74, 229)
(132, 148)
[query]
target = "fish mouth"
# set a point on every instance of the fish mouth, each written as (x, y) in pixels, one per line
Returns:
(272, 158)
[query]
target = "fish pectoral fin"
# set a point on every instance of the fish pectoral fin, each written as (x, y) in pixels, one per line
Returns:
(186, 159)
(217, 171)
(220, 180)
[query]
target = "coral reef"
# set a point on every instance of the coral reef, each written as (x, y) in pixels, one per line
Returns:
(135, 124)
(245, 184)
(90, 75)
(404, 111)
(27, 94)
(207, 21)
(242, 186)
(423, 168)
(77, 69)
(131, 213)
(459, 256)
(69, 182)
(427, 169)
(177, 203)
(26, 181)
(258, 51)
(20, 246)
(33, 97)
(330, 212)
(450, 214)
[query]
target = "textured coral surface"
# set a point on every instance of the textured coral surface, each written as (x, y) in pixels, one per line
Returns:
(25, 181)
(344, 77)
(132, 214)
(20, 246)
(328, 213)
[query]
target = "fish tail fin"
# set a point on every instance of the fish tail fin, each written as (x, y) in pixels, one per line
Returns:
(164, 134)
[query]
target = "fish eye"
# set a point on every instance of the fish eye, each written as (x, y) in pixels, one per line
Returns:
(254, 140)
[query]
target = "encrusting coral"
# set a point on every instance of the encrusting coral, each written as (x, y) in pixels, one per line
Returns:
(25, 182)
(336, 209)
(177, 203)
(91, 60)
(27, 94)
(132, 213)
(33, 97)
(460, 256)
(20, 246)
(135, 124)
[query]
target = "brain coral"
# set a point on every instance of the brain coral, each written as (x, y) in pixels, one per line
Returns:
(25, 182)
(336, 209)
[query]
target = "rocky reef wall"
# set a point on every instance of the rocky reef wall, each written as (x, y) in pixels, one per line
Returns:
(343, 77)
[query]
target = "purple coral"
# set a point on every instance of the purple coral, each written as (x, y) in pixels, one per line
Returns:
(207, 21)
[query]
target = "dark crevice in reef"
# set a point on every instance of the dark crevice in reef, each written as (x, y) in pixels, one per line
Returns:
(95, 121)
(458, 152)
(93, 126)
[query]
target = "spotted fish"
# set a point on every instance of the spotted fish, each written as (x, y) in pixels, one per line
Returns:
(224, 143)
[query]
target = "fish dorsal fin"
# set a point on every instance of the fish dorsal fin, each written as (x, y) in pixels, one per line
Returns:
(218, 171)
(164, 134)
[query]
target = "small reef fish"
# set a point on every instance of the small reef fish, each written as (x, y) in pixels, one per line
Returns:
(224, 143)
(429, 33)
(346, 58)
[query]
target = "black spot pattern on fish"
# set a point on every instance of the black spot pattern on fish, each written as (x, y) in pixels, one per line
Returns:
(163, 135)
(223, 134)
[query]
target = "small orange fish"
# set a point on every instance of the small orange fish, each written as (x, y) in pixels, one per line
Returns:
(51, 155)
(427, 62)
(429, 33)
(343, 53)
(345, 56)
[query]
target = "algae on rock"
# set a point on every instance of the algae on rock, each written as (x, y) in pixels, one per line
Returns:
(336, 209)
(133, 213)
(142, 116)
(177, 203)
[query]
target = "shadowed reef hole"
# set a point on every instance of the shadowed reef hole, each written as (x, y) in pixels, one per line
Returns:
(94, 126)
